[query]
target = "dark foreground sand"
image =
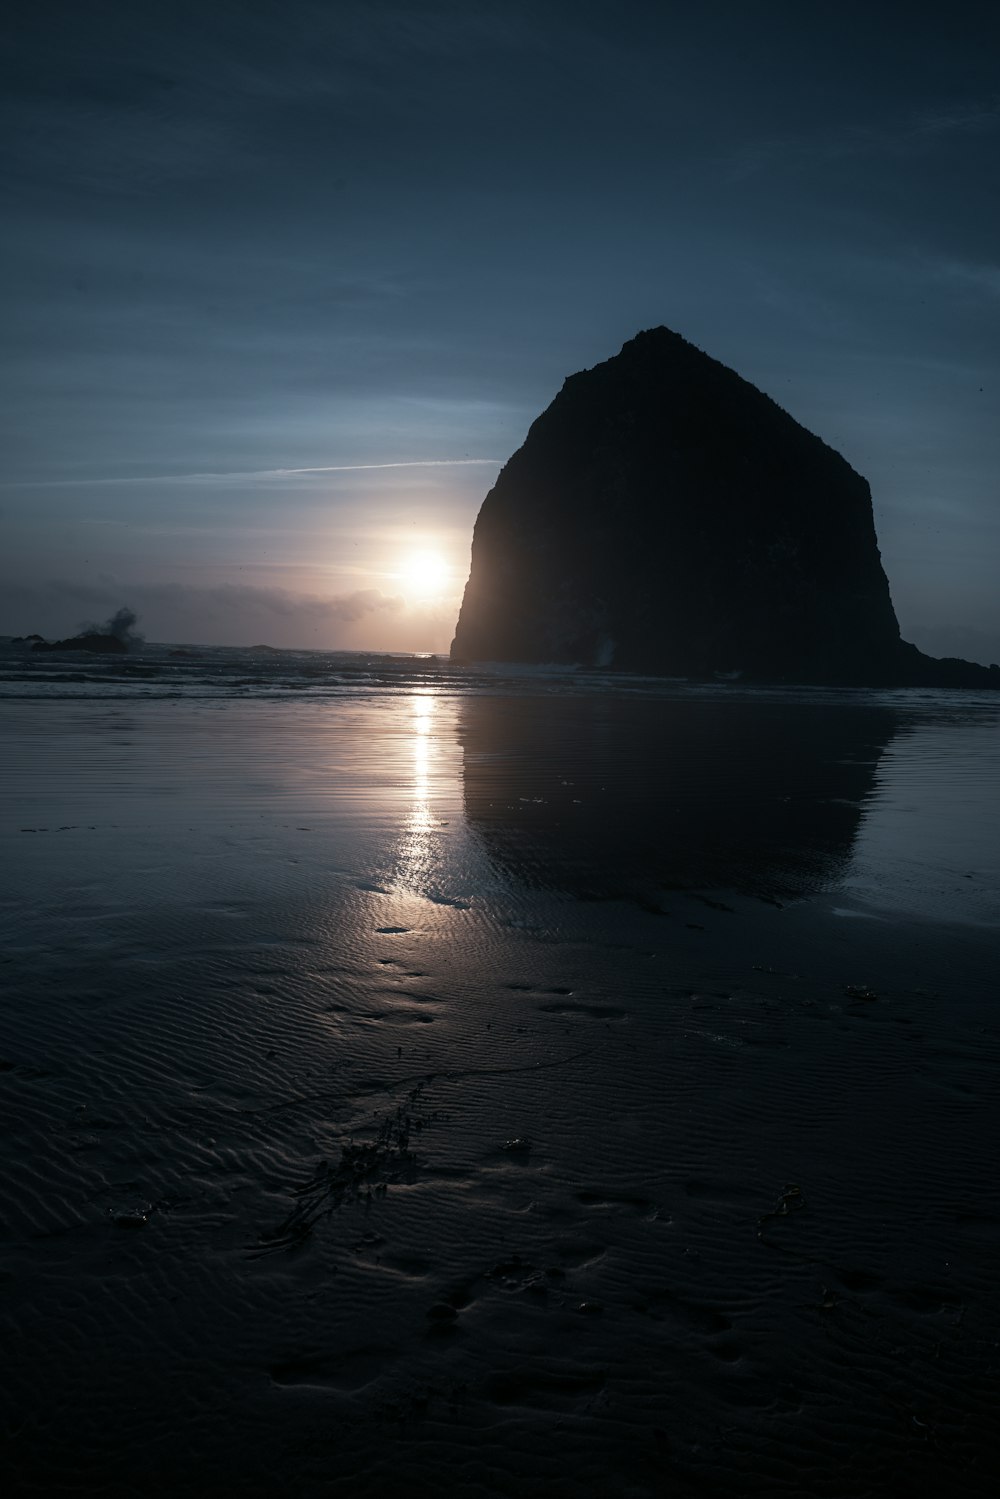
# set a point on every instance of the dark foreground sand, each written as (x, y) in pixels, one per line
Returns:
(490, 1097)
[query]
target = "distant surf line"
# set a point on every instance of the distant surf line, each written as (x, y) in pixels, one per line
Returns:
(251, 473)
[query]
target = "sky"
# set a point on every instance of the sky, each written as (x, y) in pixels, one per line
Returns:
(284, 284)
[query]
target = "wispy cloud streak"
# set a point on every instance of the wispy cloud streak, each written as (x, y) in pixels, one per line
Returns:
(251, 473)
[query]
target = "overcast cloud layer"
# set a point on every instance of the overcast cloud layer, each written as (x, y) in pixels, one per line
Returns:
(258, 254)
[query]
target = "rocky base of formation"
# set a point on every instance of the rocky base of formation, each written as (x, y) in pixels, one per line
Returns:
(917, 670)
(665, 517)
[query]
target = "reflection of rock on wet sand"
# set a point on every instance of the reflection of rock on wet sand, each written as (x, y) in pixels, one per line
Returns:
(621, 796)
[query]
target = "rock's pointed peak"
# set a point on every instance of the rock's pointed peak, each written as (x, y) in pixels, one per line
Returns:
(654, 357)
(660, 336)
(659, 343)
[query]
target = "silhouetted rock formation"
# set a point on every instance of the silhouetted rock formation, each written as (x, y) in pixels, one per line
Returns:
(665, 516)
(103, 644)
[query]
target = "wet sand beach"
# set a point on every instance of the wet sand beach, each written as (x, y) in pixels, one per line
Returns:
(545, 1090)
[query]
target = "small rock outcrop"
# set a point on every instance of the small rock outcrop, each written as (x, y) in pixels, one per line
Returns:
(102, 644)
(665, 516)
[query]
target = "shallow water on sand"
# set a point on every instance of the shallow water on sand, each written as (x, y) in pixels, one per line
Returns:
(469, 1086)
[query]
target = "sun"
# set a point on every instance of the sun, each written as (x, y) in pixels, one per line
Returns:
(425, 575)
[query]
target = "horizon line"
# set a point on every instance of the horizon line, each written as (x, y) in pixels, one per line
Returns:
(250, 473)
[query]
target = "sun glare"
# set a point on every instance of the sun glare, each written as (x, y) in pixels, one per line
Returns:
(425, 575)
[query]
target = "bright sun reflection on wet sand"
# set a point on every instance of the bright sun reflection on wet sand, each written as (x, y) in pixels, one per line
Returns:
(416, 853)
